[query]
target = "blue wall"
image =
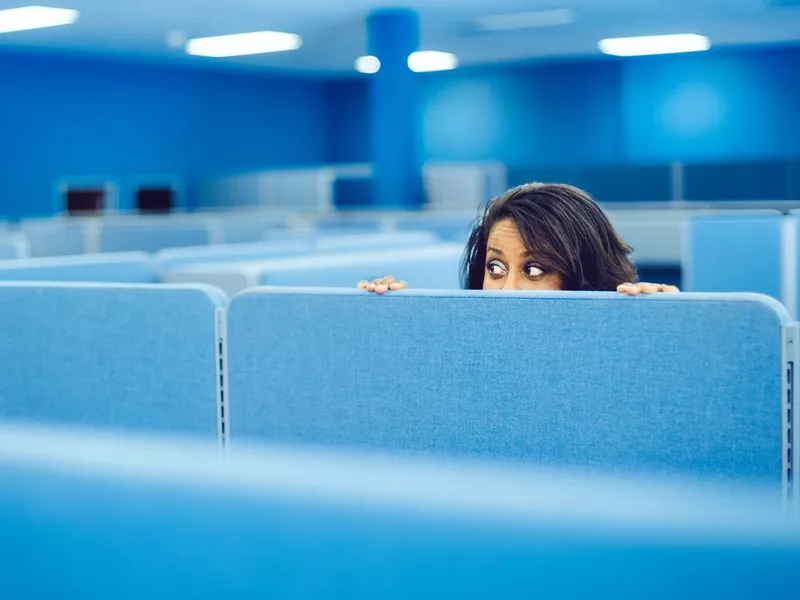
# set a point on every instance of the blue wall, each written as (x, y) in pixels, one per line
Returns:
(553, 114)
(95, 117)
(348, 120)
(78, 116)
(715, 106)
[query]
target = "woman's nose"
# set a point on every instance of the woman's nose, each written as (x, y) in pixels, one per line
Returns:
(511, 282)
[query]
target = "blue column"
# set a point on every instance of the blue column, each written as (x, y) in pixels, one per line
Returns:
(395, 124)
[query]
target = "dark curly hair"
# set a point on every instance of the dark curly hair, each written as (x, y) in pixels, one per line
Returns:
(564, 228)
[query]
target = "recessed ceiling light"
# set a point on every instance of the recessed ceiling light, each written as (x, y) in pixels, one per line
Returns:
(655, 44)
(527, 20)
(35, 17)
(368, 64)
(432, 60)
(243, 44)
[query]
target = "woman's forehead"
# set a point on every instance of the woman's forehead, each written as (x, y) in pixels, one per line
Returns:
(505, 233)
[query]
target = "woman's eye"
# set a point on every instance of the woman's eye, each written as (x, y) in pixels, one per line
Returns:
(533, 271)
(495, 269)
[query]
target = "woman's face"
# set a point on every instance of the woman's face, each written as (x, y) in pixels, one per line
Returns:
(509, 265)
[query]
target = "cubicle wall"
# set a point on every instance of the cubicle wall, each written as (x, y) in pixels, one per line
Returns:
(656, 236)
(430, 266)
(734, 252)
(14, 245)
(681, 384)
(692, 384)
(144, 237)
(56, 237)
(84, 516)
(125, 233)
(121, 267)
(128, 357)
(712, 251)
(176, 258)
(293, 244)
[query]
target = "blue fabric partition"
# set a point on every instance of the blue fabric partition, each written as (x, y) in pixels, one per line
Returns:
(426, 267)
(402, 239)
(352, 224)
(434, 267)
(14, 245)
(451, 230)
(733, 253)
(246, 227)
(278, 235)
(172, 258)
(688, 384)
(95, 518)
(55, 237)
(129, 357)
(123, 237)
(303, 245)
(122, 267)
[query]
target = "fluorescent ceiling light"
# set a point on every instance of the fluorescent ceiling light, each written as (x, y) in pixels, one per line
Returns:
(527, 20)
(655, 44)
(35, 17)
(432, 60)
(368, 64)
(243, 44)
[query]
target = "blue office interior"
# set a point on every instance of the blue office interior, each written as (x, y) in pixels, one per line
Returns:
(614, 126)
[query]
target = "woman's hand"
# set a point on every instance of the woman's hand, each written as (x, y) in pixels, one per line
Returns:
(382, 285)
(389, 283)
(634, 289)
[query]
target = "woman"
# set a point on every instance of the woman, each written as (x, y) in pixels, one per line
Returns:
(543, 236)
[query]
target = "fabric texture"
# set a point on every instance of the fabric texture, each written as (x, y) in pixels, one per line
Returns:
(402, 239)
(126, 238)
(734, 253)
(14, 245)
(686, 384)
(129, 357)
(427, 267)
(175, 258)
(123, 267)
(103, 519)
(55, 237)
(303, 245)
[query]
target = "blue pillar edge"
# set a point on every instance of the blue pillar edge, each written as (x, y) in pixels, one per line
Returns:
(395, 120)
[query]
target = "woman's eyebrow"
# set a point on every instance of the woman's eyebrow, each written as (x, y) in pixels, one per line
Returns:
(495, 250)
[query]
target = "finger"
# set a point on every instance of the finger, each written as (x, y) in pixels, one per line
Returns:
(670, 289)
(634, 289)
(649, 288)
(362, 285)
(381, 288)
(371, 287)
(398, 285)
